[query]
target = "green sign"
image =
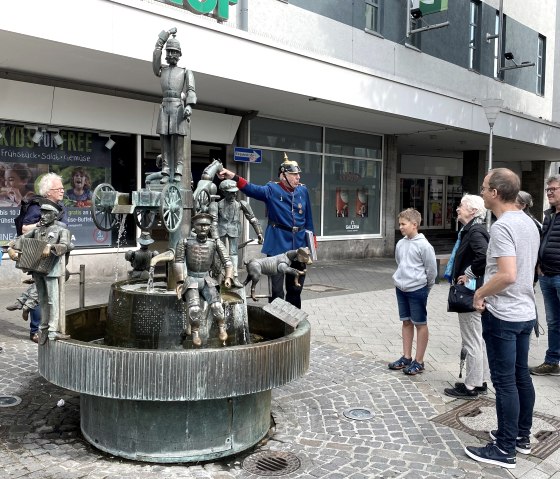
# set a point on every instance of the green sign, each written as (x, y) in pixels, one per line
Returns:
(217, 8)
(432, 6)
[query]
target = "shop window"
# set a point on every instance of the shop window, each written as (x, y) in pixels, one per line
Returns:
(350, 143)
(82, 160)
(344, 179)
(352, 196)
(286, 135)
(266, 171)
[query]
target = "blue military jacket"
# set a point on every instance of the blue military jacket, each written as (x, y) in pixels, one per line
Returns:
(289, 215)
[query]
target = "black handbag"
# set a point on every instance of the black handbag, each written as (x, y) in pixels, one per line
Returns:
(460, 299)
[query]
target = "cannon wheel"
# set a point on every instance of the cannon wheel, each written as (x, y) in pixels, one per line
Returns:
(202, 201)
(145, 219)
(102, 216)
(171, 207)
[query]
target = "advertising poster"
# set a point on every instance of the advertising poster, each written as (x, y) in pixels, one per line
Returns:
(361, 203)
(341, 203)
(81, 160)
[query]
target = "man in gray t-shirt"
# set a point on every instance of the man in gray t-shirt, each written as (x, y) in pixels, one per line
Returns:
(514, 235)
(507, 303)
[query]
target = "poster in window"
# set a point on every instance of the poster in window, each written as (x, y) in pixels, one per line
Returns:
(341, 203)
(81, 160)
(361, 203)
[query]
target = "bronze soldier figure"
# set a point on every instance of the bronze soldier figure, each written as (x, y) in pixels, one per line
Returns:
(197, 253)
(177, 85)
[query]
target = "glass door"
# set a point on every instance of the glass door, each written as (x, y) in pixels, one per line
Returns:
(412, 194)
(426, 194)
(435, 203)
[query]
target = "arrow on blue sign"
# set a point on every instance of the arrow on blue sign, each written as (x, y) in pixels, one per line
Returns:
(249, 155)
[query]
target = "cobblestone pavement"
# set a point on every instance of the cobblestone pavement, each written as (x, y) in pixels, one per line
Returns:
(355, 332)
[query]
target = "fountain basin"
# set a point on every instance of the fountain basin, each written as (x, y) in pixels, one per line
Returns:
(175, 405)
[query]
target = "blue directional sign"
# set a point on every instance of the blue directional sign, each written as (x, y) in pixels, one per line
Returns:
(248, 155)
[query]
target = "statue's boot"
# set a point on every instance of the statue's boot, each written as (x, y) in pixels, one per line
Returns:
(164, 178)
(236, 283)
(196, 338)
(222, 330)
(43, 336)
(177, 178)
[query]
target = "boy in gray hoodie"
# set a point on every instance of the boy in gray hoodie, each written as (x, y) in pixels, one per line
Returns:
(416, 274)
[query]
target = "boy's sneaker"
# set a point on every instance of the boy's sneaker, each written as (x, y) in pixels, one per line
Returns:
(546, 369)
(414, 368)
(522, 444)
(400, 363)
(479, 389)
(460, 391)
(491, 454)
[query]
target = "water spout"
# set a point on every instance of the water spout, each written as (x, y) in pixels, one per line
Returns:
(166, 256)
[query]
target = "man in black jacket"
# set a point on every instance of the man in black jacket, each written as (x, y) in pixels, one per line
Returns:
(549, 278)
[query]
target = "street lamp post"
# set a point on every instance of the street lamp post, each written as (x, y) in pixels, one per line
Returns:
(492, 108)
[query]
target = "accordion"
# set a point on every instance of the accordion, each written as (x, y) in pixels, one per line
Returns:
(30, 258)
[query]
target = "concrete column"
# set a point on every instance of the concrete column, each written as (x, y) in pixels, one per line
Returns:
(390, 186)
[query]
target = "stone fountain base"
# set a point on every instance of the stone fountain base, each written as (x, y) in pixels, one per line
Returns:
(175, 431)
(182, 405)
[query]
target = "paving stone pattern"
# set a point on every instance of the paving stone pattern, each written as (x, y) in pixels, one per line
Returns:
(355, 333)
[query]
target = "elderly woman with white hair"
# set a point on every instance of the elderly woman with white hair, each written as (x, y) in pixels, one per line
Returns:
(466, 266)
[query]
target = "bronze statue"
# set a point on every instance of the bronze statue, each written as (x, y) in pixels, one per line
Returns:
(141, 258)
(177, 85)
(40, 251)
(229, 223)
(196, 253)
(271, 265)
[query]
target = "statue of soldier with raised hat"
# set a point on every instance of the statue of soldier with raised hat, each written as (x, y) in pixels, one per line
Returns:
(229, 223)
(177, 85)
(193, 262)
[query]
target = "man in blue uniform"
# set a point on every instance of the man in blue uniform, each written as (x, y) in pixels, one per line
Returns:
(289, 216)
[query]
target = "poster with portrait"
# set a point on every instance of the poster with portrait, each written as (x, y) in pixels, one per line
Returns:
(81, 160)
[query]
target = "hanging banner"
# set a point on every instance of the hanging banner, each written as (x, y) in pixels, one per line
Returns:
(81, 160)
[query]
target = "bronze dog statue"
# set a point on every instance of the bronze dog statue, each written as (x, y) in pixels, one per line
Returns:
(272, 265)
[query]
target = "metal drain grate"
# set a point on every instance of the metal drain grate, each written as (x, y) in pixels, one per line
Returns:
(546, 429)
(271, 463)
(9, 401)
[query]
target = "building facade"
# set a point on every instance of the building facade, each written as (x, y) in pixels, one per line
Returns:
(383, 103)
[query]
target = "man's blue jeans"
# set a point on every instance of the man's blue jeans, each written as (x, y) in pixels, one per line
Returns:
(35, 320)
(550, 287)
(507, 344)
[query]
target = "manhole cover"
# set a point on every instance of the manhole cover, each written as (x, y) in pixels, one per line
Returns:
(271, 463)
(359, 413)
(9, 401)
(478, 417)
